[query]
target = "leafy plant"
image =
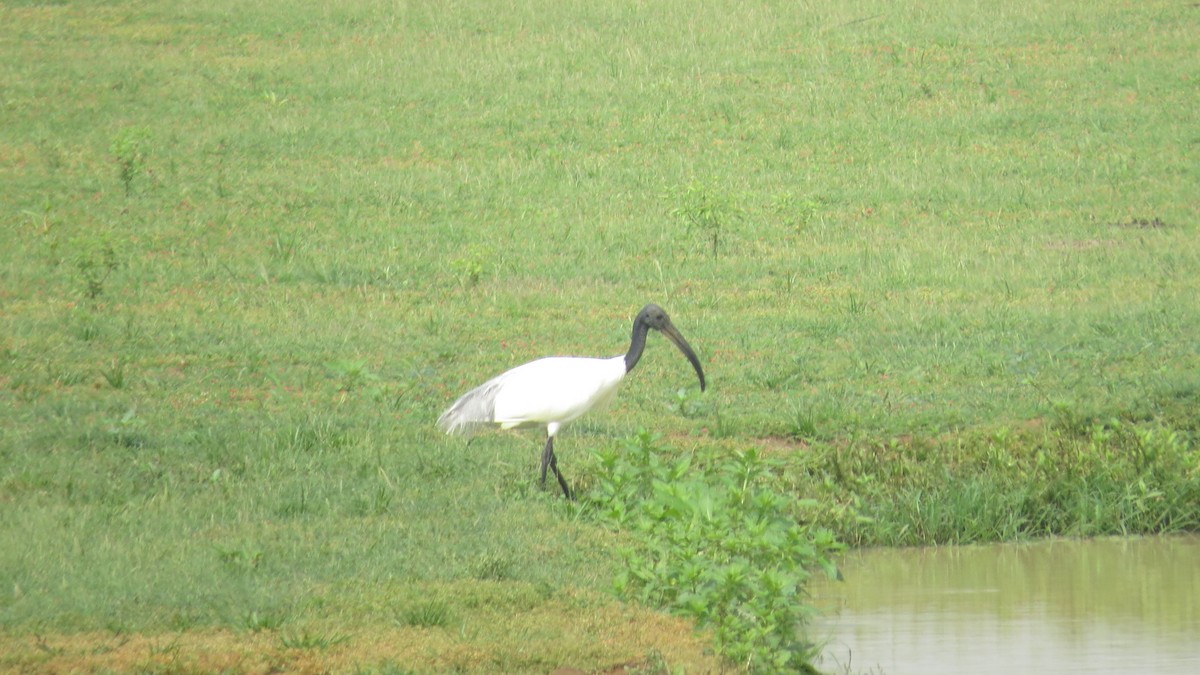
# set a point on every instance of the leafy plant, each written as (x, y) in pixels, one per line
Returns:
(127, 431)
(237, 559)
(353, 373)
(799, 212)
(128, 149)
(688, 402)
(720, 543)
(705, 210)
(95, 259)
(469, 269)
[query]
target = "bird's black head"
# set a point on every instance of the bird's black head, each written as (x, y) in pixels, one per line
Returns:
(653, 316)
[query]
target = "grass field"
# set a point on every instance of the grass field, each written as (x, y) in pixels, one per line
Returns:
(940, 261)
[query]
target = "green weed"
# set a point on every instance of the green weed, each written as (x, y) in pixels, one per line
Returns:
(719, 543)
(799, 213)
(491, 567)
(689, 402)
(705, 211)
(469, 270)
(114, 374)
(307, 640)
(128, 148)
(256, 621)
(431, 614)
(128, 430)
(95, 259)
(352, 373)
(240, 559)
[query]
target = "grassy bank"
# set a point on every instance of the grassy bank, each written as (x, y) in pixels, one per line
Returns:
(1119, 478)
(940, 263)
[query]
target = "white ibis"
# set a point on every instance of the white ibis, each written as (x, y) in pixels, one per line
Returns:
(553, 391)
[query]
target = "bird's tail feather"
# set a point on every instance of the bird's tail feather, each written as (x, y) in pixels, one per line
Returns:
(472, 411)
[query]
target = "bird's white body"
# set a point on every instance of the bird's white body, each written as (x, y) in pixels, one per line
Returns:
(548, 392)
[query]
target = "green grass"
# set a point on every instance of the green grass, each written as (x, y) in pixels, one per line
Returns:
(251, 252)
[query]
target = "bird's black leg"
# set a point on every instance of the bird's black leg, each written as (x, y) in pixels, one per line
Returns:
(551, 461)
(546, 455)
(561, 481)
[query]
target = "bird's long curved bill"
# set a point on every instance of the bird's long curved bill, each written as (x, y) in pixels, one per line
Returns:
(675, 336)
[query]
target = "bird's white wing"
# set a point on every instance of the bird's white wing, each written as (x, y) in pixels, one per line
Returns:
(472, 410)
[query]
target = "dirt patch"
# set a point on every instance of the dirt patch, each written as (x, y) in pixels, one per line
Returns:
(1142, 224)
(1078, 244)
(780, 446)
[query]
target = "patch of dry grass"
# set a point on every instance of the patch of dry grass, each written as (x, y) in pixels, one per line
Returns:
(604, 637)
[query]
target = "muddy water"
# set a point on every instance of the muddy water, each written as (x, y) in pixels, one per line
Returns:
(1098, 606)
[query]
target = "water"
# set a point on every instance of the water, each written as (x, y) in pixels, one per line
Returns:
(1096, 606)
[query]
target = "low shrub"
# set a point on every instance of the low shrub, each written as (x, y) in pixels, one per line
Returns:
(717, 541)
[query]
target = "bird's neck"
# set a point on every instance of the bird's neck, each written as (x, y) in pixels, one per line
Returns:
(637, 344)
